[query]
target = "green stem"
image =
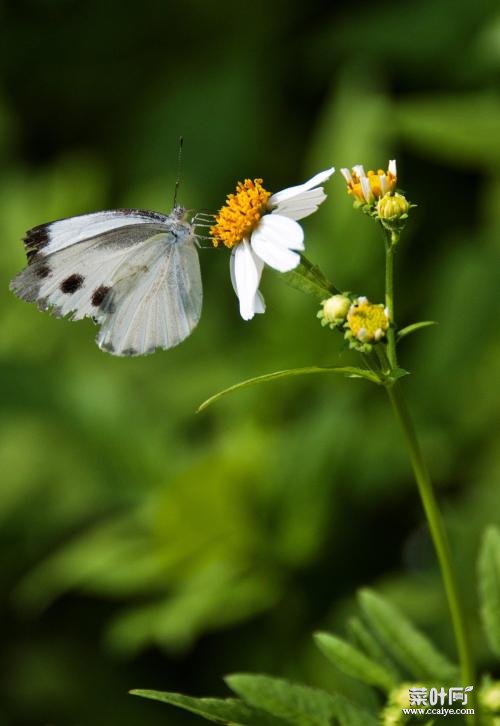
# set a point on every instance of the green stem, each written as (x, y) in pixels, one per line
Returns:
(389, 301)
(438, 532)
(425, 488)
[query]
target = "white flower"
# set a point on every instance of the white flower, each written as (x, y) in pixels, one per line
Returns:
(368, 187)
(261, 228)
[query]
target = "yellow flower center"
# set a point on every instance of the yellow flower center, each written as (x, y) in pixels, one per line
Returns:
(241, 213)
(356, 190)
(367, 321)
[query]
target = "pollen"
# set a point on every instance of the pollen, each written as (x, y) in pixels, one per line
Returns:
(240, 215)
(367, 322)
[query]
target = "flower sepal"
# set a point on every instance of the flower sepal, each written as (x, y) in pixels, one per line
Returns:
(363, 207)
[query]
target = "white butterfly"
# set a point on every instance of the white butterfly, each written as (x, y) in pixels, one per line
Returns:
(135, 272)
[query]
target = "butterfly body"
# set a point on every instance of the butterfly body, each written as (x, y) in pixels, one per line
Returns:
(135, 272)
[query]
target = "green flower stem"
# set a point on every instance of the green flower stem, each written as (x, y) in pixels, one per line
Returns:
(437, 529)
(389, 301)
(426, 491)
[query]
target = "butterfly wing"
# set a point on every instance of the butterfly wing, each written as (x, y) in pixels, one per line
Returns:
(75, 264)
(56, 236)
(159, 305)
(71, 278)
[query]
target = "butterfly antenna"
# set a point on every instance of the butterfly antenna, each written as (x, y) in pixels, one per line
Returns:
(178, 179)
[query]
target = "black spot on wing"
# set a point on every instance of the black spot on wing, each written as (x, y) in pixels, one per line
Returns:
(42, 271)
(107, 346)
(35, 240)
(71, 284)
(99, 295)
(131, 352)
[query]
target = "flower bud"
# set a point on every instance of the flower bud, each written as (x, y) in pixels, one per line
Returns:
(392, 207)
(399, 699)
(366, 324)
(490, 696)
(335, 309)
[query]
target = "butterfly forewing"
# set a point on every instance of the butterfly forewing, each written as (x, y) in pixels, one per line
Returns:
(55, 236)
(119, 268)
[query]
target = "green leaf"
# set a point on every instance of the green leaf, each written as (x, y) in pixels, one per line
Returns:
(397, 373)
(301, 705)
(372, 647)
(349, 371)
(356, 664)
(489, 586)
(219, 710)
(408, 645)
(460, 128)
(413, 327)
(309, 279)
(349, 714)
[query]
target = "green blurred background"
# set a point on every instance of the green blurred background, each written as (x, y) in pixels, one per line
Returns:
(144, 546)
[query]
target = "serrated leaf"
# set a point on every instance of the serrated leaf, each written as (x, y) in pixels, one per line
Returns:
(489, 587)
(309, 279)
(349, 714)
(218, 710)
(301, 705)
(409, 647)
(353, 662)
(409, 329)
(350, 371)
(372, 647)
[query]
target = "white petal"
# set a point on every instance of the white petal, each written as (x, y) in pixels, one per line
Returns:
(315, 181)
(273, 240)
(366, 188)
(392, 167)
(359, 170)
(347, 175)
(384, 183)
(259, 303)
(302, 205)
(246, 270)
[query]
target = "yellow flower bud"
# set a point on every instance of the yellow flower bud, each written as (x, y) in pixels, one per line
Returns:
(367, 322)
(392, 206)
(490, 697)
(335, 308)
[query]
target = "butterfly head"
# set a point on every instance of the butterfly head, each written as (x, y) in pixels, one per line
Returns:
(181, 226)
(179, 214)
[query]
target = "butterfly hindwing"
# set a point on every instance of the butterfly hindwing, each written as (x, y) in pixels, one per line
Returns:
(159, 306)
